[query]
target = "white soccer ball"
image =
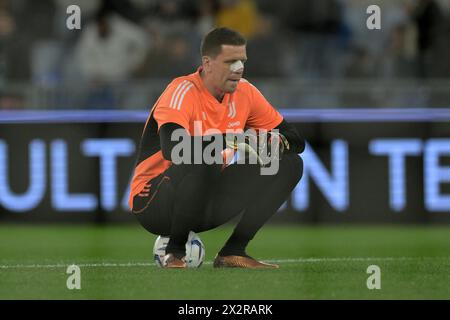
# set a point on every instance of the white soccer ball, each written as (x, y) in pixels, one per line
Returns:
(195, 250)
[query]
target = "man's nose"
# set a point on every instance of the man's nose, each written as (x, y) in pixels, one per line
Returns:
(240, 71)
(237, 67)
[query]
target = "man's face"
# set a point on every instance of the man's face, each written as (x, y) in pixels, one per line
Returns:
(225, 70)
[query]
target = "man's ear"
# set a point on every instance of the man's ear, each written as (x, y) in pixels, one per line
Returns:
(206, 63)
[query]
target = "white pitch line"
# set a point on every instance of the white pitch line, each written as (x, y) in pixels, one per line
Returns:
(88, 265)
(148, 264)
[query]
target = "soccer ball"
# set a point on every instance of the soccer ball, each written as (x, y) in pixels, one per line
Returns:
(195, 250)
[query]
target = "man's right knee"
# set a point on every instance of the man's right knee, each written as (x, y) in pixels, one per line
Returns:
(294, 165)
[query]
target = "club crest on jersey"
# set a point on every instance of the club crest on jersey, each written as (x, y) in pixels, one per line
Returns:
(232, 110)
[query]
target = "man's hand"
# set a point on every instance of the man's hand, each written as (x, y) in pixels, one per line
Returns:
(247, 146)
(274, 144)
(262, 148)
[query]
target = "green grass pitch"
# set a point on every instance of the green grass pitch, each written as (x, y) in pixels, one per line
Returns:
(317, 262)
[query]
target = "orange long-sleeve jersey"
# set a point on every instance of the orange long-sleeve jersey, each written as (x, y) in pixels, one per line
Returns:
(187, 102)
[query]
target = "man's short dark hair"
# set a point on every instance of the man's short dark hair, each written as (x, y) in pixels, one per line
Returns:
(213, 41)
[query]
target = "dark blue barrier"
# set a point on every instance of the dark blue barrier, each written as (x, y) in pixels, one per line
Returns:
(361, 165)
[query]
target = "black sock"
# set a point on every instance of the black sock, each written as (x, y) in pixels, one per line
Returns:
(235, 246)
(178, 250)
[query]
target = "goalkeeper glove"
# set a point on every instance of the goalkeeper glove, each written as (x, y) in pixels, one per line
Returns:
(247, 147)
(274, 145)
(262, 147)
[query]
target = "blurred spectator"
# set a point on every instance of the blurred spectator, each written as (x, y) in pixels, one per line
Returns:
(265, 51)
(7, 28)
(167, 17)
(23, 23)
(34, 18)
(7, 23)
(397, 61)
(111, 48)
(174, 57)
(314, 27)
(177, 27)
(205, 20)
(9, 98)
(168, 13)
(240, 15)
(429, 20)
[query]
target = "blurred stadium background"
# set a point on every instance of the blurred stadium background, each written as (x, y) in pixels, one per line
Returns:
(302, 53)
(372, 104)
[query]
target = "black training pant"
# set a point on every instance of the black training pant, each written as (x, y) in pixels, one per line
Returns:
(203, 197)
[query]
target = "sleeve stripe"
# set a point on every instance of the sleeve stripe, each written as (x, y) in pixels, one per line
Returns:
(182, 96)
(176, 92)
(177, 95)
